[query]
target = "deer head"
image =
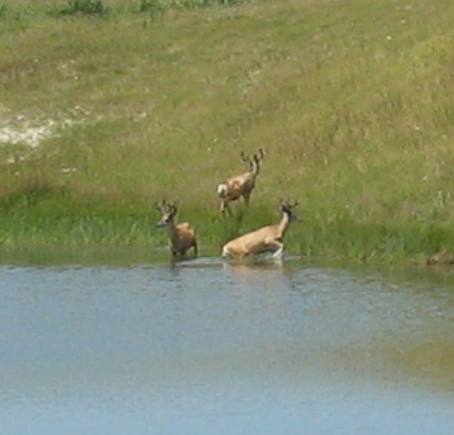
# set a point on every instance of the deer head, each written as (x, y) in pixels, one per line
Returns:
(287, 207)
(168, 212)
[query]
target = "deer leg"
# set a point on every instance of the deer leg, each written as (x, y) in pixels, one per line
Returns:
(276, 247)
(279, 251)
(224, 207)
(246, 197)
(194, 245)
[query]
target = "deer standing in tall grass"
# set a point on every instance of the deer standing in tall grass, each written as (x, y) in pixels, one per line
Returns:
(182, 236)
(241, 185)
(266, 239)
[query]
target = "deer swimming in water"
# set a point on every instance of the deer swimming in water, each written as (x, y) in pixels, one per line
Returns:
(266, 239)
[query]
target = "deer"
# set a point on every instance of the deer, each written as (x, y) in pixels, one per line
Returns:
(182, 236)
(241, 185)
(266, 239)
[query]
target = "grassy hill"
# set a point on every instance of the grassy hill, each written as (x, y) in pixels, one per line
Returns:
(352, 100)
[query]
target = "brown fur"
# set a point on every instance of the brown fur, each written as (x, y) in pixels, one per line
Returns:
(182, 236)
(266, 239)
(241, 185)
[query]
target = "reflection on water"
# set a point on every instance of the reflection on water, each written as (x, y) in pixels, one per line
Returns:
(211, 347)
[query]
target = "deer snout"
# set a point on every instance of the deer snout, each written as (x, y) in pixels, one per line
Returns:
(163, 222)
(295, 218)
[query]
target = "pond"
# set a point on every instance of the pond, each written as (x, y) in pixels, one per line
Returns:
(206, 347)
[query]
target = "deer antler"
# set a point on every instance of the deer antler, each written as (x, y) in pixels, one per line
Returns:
(291, 204)
(288, 204)
(160, 205)
(245, 157)
(173, 206)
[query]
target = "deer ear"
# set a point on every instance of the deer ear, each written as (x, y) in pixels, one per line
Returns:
(261, 153)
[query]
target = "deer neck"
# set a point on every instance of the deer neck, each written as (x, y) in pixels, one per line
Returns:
(282, 226)
(172, 230)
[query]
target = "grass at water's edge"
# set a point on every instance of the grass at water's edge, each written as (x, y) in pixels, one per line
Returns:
(353, 103)
(47, 222)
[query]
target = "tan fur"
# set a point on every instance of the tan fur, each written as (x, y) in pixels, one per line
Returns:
(182, 236)
(241, 185)
(266, 239)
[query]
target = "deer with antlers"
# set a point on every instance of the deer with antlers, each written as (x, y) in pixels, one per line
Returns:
(266, 239)
(182, 236)
(241, 185)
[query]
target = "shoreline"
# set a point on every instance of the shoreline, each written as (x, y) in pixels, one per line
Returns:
(67, 233)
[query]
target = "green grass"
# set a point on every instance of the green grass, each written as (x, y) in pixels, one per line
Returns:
(352, 100)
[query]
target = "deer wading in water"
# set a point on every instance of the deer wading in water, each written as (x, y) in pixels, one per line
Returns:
(266, 239)
(241, 185)
(182, 236)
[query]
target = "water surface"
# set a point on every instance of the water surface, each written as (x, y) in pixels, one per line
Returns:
(206, 347)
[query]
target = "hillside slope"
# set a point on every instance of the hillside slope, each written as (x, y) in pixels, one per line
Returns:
(353, 102)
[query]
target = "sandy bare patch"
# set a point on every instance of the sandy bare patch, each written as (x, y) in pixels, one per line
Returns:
(31, 135)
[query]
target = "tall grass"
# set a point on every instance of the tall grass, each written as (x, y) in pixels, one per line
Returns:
(84, 7)
(352, 101)
(158, 6)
